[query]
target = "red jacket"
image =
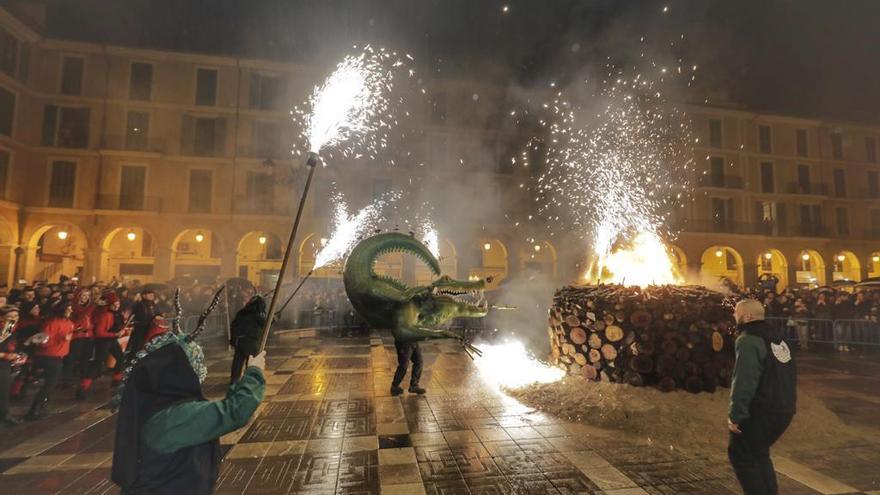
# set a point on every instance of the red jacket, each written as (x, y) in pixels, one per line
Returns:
(105, 324)
(60, 331)
(82, 320)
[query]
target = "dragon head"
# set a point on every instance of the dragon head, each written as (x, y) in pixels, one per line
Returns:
(447, 298)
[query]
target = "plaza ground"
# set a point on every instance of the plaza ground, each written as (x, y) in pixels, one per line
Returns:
(328, 425)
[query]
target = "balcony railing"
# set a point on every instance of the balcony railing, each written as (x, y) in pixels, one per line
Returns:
(725, 181)
(129, 203)
(153, 145)
(712, 226)
(816, 189)
(812, 230)
(250, 206)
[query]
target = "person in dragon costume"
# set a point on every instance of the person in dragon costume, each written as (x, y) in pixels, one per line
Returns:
(167, 434)
(412, 314)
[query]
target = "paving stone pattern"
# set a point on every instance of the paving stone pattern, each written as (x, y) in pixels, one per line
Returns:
(329, 425)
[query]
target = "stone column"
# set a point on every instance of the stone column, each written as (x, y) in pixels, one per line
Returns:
(750, 275)
(92, 266)
(229, 265)
(162, 265)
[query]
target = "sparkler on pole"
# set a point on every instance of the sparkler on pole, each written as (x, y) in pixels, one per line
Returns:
(350, 107)
(290, 297)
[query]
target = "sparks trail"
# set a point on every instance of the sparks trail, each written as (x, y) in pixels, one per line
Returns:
(352, 112)
(617, 168)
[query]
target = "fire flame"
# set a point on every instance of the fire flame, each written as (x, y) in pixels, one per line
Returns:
(646, 262)
(510, 365)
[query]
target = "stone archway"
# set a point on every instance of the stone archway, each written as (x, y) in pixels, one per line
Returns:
(54, 250)
(493, 261)
(258, 258)
(811, 269)
(540, 257)
(722, 262)
(845, 266)
(128, 253)
(772, 263)
(196, 253)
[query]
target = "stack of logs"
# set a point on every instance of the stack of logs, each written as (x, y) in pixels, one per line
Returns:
(670, 337)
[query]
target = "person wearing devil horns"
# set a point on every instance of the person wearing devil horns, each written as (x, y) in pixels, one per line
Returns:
(167, 434)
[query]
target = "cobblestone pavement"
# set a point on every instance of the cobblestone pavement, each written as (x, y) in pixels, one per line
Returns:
(328, 425)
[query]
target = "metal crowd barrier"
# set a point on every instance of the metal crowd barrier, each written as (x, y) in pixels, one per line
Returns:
(216, 326)
(824, 331)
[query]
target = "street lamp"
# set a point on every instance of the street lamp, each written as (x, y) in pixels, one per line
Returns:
(262, 239)
(487, 246)
(875, 259)
(841, 257)
(131, 236)
(719, 253)
(768, 256)
(62, 234)
(805, 256)
(537, 248)
(200, 237)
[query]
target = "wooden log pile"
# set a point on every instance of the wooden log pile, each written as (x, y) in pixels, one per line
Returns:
(669, 337)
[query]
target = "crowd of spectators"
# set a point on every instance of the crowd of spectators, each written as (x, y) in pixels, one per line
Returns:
(817, 312)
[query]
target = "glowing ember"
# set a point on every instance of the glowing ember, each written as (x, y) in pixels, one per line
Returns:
(353, 105)
(347, 230)
(431, 239)
(646, 262)
(617, 166)
(510, 365)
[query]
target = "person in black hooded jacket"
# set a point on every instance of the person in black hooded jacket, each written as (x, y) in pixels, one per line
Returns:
(245, 333)
(167, 433)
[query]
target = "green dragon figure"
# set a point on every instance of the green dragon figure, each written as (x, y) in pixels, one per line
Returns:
(412, 313)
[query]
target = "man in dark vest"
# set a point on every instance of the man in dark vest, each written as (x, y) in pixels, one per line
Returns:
(762, 398)
(167, 434)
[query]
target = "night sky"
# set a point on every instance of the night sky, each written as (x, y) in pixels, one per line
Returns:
(814, 58)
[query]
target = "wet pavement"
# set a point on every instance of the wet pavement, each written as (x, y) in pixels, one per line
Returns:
(328, 425)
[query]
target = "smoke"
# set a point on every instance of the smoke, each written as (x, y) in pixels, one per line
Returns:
(531, 293)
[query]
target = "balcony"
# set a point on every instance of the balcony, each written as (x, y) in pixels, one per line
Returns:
(257, 206)
(153, 145)
(812, 230)
(129, 203)
(869, 194)
(815, 189)
(724, 181)
(710, 226)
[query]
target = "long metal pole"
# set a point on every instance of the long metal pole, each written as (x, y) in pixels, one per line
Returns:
(312, 163)
(298, 287)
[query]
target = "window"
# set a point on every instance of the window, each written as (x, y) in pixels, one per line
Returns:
(203, 136)
(722, 214)
(140, 85)
(8, 53)
(842, 221)
(4, 172)
(266, 139)
(770, 217)
(265, 92)
(767, 183)
(875, 222)
(62, 184)
(801, 141)
(873, 184)
(131, 187)
(65, 127)
(7, 111)
(24, 63)
(811, 219)
(716, 171)
(260, 192)
(200, 186)
(839, 182)
(764, 140)
(715, 133)
(803, 183)
(871, 149)
(72, 75)
(837, 146)
(137, 130)
(206, 87)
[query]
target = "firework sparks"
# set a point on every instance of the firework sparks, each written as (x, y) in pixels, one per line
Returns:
(510, 365)
(347, 229)
(431, 239)
(351, 111)
(621, 172)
